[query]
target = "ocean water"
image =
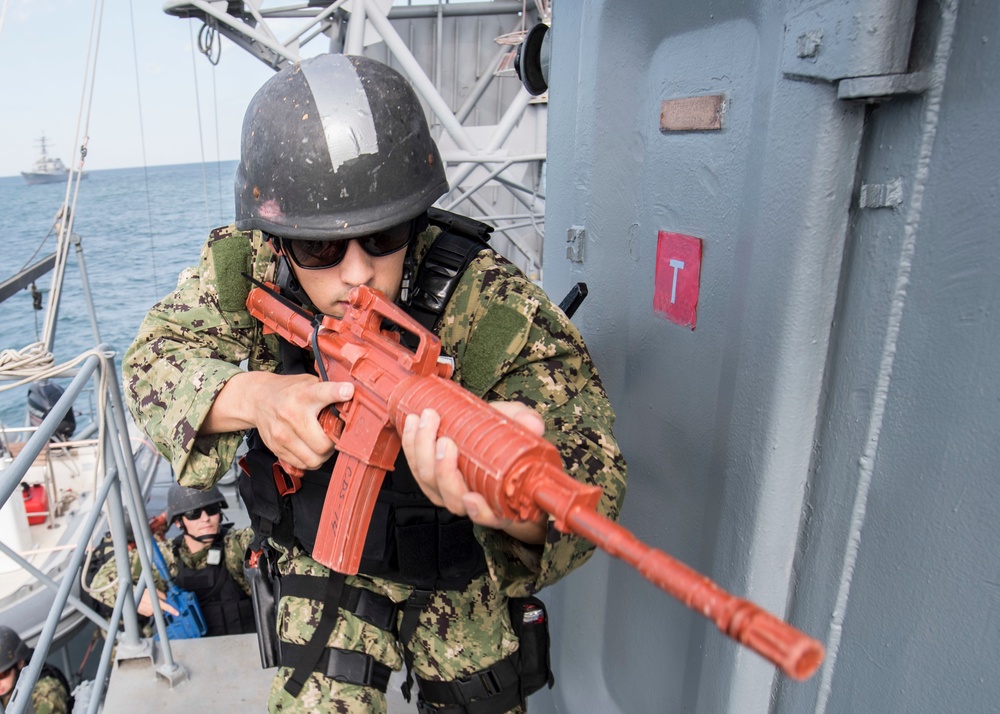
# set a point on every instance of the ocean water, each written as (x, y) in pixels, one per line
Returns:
(138, 229)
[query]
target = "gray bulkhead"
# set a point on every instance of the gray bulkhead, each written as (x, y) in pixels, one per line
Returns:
(824, 441)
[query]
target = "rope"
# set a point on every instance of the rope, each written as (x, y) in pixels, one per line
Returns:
(65, 230)
(34, 363)
(210, 45)
(201, 137)
(142, 141)
(25, 362)
(206, 42)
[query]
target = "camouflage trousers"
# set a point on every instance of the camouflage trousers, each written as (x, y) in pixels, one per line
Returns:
(459, 632)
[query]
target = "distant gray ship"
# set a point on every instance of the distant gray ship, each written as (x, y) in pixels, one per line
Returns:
(47, 169)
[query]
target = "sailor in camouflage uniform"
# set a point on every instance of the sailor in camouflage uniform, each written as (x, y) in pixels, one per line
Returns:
(337, 176)
(51, 694)
(206, 559)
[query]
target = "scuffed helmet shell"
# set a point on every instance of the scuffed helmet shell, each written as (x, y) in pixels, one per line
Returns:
(12, 648)
(335, 147)
(181, 500)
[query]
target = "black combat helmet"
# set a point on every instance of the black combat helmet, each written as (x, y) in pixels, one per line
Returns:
(12, 649)
(335, 147)
(180, 500)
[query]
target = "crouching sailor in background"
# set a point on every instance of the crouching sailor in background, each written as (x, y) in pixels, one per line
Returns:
(51, 694)
(206, 559)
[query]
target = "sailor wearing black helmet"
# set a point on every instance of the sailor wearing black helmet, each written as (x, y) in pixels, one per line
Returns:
(51, 694)
(335, 189)
(206, 559)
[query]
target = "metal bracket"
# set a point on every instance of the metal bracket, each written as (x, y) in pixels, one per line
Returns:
(871, 89)
(173, 674)
(574, 243)
(881, 195)
(850, 38)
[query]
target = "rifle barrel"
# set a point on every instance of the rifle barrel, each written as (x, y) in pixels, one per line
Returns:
(797, 654)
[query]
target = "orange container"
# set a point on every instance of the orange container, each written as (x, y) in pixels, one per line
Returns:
(36, 504)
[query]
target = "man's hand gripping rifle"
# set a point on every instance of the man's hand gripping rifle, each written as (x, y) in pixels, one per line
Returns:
(517, 472)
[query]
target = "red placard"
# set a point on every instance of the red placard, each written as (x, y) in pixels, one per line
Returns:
(678, 277)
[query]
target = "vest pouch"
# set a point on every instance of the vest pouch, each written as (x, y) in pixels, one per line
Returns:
(379, 554)
(416, 543)
(307, 505)
(530, 622)
(459, 553)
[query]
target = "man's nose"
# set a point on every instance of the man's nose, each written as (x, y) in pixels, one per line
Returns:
(357, 267)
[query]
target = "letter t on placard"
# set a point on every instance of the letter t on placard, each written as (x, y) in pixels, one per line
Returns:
(678, 278)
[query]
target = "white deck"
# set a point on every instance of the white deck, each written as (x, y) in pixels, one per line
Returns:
(223, 675)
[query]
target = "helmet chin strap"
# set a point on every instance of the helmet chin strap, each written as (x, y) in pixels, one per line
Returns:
(289, 284)
(202, 538)
(419, 225)
(409, 271)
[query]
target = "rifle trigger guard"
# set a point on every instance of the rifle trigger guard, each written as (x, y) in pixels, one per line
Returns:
(285, 483)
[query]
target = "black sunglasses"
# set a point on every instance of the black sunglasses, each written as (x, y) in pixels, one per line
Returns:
(3, 675)
(195, 513)
(321, 254)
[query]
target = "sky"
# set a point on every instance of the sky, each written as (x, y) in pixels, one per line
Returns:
(147, 87)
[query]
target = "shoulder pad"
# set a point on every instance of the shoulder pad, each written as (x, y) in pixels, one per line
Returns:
(461, 239)
(231, 257)
(463, 225)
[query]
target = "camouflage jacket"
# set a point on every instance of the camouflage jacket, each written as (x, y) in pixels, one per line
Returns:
(48, 697)
(509, 341)
(234, 548)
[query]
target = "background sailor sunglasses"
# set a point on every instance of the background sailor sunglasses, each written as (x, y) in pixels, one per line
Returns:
(320, 254)
(195, 513)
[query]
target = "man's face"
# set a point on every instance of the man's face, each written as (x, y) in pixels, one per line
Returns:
(328, 288)
(204, 524)
(7, 681)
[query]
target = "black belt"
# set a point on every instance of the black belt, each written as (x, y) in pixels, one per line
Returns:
(492, 690)
(344, 665)
(369, 606)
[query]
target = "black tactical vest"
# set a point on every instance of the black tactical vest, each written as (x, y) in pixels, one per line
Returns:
(227, 608)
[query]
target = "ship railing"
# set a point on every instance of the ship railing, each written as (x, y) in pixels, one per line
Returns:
(119, 489)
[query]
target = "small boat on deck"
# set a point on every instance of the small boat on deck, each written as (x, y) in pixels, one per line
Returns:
(44, 520)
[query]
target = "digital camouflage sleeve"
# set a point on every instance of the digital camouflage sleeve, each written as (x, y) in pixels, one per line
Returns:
(510, 342)
(50, 697)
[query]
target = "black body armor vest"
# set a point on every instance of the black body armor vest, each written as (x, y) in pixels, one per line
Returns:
(409, 540)
(228, 610)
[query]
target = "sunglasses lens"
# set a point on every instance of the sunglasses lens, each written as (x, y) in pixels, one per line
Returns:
(195, 513)
(388, 241)
(317, 253)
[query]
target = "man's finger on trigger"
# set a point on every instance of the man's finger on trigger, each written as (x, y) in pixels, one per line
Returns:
(333, 392)
(167, 607)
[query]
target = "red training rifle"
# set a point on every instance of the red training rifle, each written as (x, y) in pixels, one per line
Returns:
(520, 474)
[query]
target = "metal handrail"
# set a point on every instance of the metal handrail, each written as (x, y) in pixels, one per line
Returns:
(118, 461)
